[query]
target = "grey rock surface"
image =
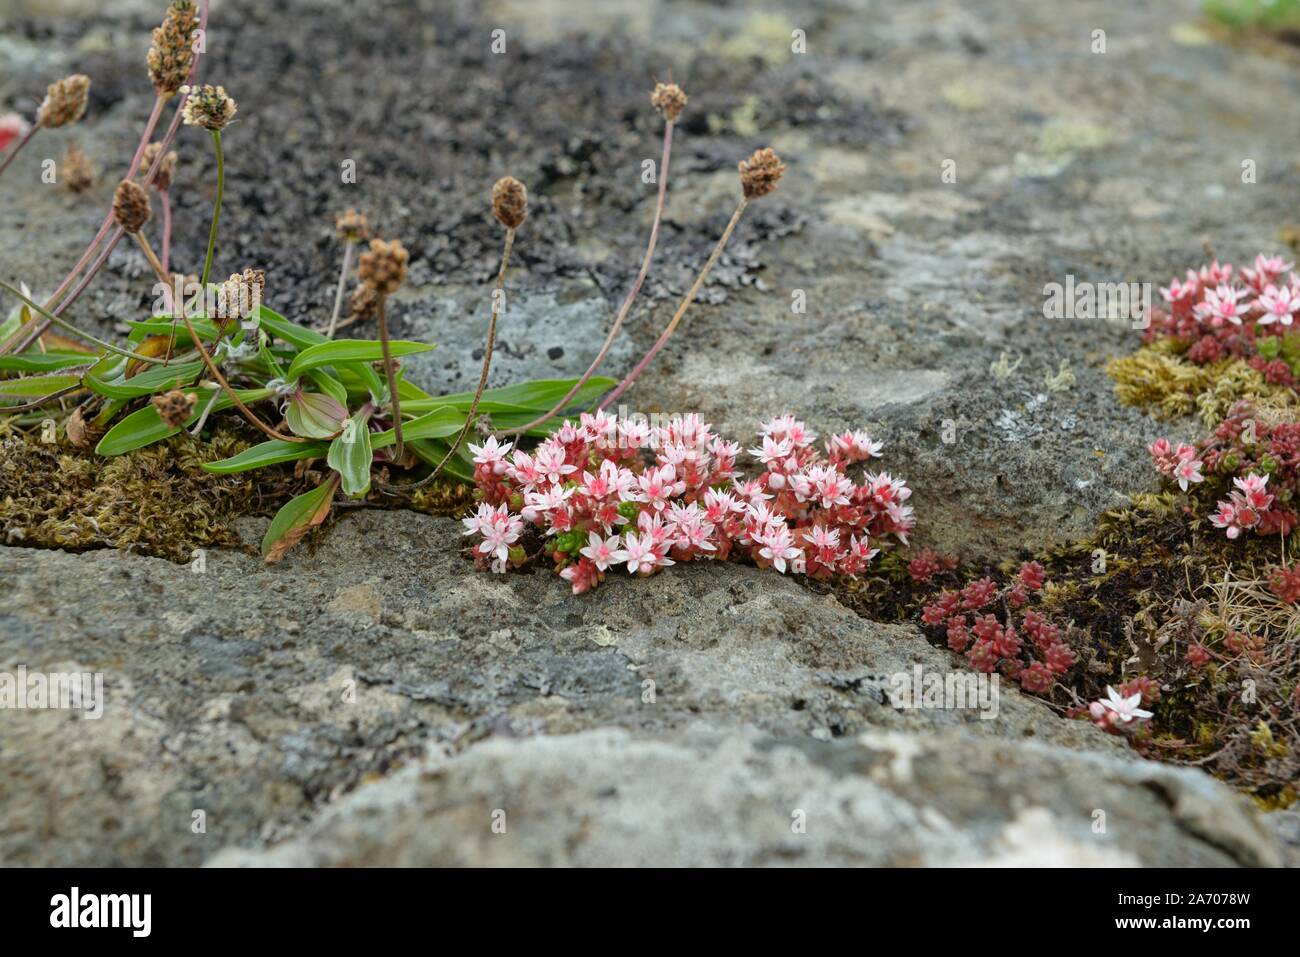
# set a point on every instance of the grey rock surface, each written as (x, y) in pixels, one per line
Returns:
(260, 696)
(607, 798)
(376, 700)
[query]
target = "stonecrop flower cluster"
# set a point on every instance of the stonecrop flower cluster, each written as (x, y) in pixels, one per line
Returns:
(614, 493)
(971, 619)
(1261, 459)
(1218, 312)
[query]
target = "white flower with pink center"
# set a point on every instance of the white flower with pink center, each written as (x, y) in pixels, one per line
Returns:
(603, 552)
(1279, 305)
(1224, 304)
(777, 546)
(550, 462)
(657, 486)
(492, 454)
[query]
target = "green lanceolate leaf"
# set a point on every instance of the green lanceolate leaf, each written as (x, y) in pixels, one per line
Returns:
(155, 379)
(433, 451)
(44, 361)
(143, 427)
(337, 351)
(540, 395)
(166, 326)
(351, 455)
(30, 387)
(315, 415)
(271, 452)
(300, 337)
(437, 424)
(297, 516)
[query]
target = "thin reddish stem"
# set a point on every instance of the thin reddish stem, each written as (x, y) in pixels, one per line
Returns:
(26, 138)
(627, 303)
(681, 309)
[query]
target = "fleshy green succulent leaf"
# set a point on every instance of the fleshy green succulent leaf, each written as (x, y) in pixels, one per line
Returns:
(270, 452)
(351, 454)
(296, 516)
(315, 415)
(349, 351)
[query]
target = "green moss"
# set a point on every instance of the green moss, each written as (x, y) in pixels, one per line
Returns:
(1158, 380)
(157, 501)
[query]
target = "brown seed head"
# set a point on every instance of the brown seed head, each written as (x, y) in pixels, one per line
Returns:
(383, 266)
(239, 295)
(208, 106)
(669, 99)
(78, 170)
(352, 227)
(65, 101)
(510, 202)
(131, 206)
(760, 173)
(175, 407)
(166, 169)
(172, 52)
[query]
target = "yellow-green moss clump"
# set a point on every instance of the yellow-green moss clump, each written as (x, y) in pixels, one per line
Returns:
(1160, 381)
(157, 501)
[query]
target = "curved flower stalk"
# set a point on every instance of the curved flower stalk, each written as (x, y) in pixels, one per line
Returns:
(759, 176)
(173, 61)
(669, 100)
(64, 104)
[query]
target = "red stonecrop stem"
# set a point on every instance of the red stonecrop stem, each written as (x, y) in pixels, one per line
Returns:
(631, 295)
(109, 234)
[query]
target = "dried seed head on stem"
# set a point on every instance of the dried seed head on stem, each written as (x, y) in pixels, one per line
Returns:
(166, 166)
(669, 99)
(663, 98)
(175, 407)
(759, 175)
(131, 206)
(65, 102)
(78, 170)
(172, 52)
(509, 202)
(352, 226)
(210, 107)
(383, 270)
(383, 266)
